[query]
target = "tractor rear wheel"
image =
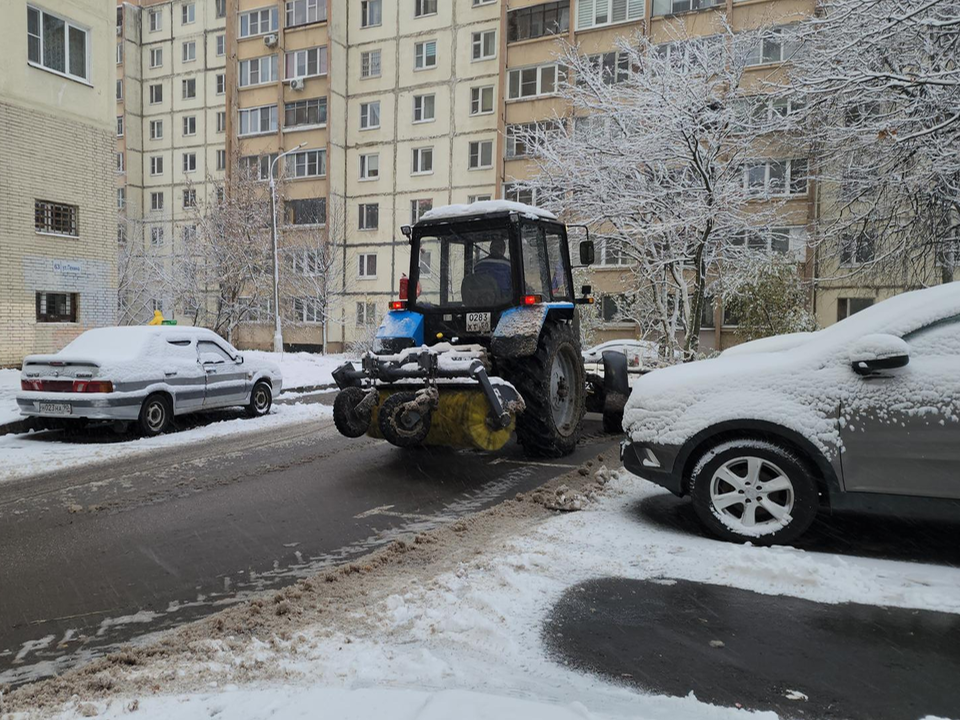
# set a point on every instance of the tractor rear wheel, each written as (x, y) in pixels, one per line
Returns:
(552, 384)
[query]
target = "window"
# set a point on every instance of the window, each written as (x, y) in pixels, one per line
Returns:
(305, 113)
(424, 7)
(56, 307)
(258, 70)
(190, 125)
(552, 18)
(306, 262)
(303, 12)
(56, 44)
(595, 13)
(156, 201)
(477, 3)
(121, 233)
(484, 45)
(189, 163)
(858, 249)
(56, 218)
(258, 22)
(481, 100)
(119, 90)
(156, 129)
(119, 125)
(221, 159)
(611, 252)
(418, 208)
(370, 220)
(221, 121)
(189, 200)
(471, 199)
(221, 45)
(670, 7)
(730, 317)
(309, 211)
(307, 310)
(425, 55)
(119, 53)
(776, 177)
(189, 88)
(611, 67)
(371, 13)
(424, 108)
(520, 194)
(847, 306)
(782, 240)
(534, 81)
(422, 161)
(369, 167)
(258, 120)
(366, 314)
(156, 236)
(189, 51)
(772, 48)
(257, 167)
(367, 265)
(221, 8)
(370, 115)
(221, 84)
(121, 163)
(370, 64)
(481, 154)
(188, 234)
(156, 94)
(519, 137)
(156, 57)
(307, 163)
(306, 63)
(155, 19)
(121, 198)
(188, 13)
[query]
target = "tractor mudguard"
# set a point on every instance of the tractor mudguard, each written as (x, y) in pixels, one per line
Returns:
(400, 329)
(616, 386)
(518, 332)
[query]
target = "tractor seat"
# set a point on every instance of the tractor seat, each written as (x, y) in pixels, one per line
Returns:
(480, 290)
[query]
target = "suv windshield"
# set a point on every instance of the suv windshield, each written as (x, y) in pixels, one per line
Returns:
(465, 268)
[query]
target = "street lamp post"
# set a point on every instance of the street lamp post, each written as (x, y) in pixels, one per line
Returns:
(277, 332)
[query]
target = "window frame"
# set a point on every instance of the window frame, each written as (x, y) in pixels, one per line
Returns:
(368, 173)
(321, 104)
(422, 99)
(273, 67)
(559, 74)
(420, 55)
(366, 211)
(289, 10)
(68, 26)
(476, 100)
(478, 43)
(272, 17)
(419, 5)
(363, 266)
(365, 114)
(56, 214)
(71, 317)
(367, 64)
(479, 146)
(365, 13)
(417, 160)
(309, 158)
(322, 62)
(273, 120)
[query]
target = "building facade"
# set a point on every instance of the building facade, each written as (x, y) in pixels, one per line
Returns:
(57, 203)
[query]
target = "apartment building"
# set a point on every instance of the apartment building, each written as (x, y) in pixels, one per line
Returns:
(171, 128)
(57, 204)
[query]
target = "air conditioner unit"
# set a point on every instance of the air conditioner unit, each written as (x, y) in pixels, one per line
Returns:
(297, 84)
(270, 40)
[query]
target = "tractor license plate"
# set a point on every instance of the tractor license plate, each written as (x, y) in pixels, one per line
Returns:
(56, 408)
(478, 322)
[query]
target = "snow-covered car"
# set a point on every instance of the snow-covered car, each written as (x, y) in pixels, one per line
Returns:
(146, 375)
(862, 416)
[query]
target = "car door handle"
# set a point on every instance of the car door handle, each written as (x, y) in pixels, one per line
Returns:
(210, 371)
(170, 373)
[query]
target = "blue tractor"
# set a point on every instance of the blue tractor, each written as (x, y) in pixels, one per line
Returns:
(484, 341)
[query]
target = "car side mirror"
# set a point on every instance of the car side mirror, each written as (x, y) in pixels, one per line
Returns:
(873, 353)
(239, 359)
(587, 252)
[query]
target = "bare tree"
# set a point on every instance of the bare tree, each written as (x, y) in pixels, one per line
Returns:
(658, 157)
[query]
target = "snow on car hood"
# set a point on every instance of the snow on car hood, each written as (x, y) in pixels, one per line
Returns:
(795, 382)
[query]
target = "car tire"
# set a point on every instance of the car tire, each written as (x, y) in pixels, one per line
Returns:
(156, 414)
(753, 491)
(261, 400)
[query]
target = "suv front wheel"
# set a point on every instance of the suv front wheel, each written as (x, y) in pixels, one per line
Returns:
(753, 490)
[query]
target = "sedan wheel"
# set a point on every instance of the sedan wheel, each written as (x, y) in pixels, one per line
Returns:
(156, 414)
(261, 400)
(753, 490)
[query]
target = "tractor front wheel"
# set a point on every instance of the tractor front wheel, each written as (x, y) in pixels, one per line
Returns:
(552, 384)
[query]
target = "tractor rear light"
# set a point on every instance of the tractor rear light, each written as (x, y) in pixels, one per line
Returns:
(532, 299)
(398, 304)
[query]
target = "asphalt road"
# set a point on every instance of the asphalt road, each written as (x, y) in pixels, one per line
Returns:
(91, 558)
(734, 647)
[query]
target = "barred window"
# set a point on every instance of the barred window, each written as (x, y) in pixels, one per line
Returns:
(56, 307)
(56, 218)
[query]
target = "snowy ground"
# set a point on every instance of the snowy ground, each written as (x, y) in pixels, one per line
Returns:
(32, 453)
(466, 642)
(9, 386)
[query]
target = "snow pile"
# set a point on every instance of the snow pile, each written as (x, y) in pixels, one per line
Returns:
(801, 383)
(487, 207)
(473, 635)
(9, 387)
(301, 369)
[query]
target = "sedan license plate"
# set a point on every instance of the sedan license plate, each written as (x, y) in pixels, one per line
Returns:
(478, 322)
(56, 408)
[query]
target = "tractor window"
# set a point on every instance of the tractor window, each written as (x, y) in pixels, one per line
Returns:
(534, 262)
(558, 273)
(465, 269)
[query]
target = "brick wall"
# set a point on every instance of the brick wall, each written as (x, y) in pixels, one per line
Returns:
(45, 157)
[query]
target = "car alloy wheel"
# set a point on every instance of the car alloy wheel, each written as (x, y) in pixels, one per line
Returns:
(156, 416)
(752, 495)
(261, 399)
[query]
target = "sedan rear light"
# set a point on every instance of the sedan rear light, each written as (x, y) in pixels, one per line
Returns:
(67, 386)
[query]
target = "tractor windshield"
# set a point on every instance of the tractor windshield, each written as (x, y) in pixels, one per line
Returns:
(466, 268)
